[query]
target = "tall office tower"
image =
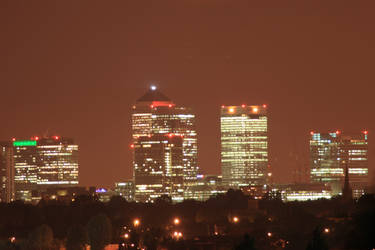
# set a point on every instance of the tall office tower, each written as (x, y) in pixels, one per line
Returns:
(25, 169)
(42, 163)
(58, 164)
(155, 114)
(6, 172)
(158, 167)
(331, 153)
(244, 145)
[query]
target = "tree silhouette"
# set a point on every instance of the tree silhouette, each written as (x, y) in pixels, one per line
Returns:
(41, 238)
(317, 242)
(247, 243)
(77, 238)
(99, 231)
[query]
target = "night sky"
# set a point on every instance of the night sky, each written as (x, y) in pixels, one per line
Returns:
(75, 68)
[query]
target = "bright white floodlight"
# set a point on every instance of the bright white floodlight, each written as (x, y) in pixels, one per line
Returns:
(153, 87)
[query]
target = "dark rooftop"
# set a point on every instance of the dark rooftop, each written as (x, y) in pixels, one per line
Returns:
(154, 95)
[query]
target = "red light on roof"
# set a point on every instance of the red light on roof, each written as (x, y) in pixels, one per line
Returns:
(312, 133)
(36, 138)
(56, 137)
(365, 132)
(338, 132)
(13, 139)
(132, 146)
(151, 106)
(243, 105)
(264, 105)
(170, 105)
(170, 135)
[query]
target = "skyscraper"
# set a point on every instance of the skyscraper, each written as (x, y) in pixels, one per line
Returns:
(155, 114)
(6, 172)
(331, 153)
(25, 169)
(58, 162)
(244, 145)
(42, 163)
(158, 167)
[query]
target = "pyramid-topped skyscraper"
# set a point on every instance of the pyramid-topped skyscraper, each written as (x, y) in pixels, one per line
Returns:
(159, 167)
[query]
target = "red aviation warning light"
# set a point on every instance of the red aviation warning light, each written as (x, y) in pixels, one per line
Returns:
(338, 132)
(264, 105)
(131, 145)
(311, 132)
(243, 105)
(13, 139)
(365, 132)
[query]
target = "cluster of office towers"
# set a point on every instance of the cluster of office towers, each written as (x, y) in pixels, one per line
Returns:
(30, 167)
(164, 149)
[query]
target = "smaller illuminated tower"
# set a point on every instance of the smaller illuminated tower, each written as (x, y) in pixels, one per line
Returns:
(331, 153)
(158, 167)
(6, 172)
(244, 145)
(42, 163)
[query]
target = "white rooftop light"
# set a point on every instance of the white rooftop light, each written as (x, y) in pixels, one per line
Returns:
(153, 87)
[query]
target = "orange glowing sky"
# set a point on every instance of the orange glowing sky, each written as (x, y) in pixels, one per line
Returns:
(75, 68)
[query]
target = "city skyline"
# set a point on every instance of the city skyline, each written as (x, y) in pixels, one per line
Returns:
(312, 66)
(152, 87)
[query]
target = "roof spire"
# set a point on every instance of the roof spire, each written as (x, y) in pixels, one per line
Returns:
(347, 192)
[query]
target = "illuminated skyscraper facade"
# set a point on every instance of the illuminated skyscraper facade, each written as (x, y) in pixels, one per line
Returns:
(155, 114)
(25, 169)
(6, 172)
(331, 153)
(43, 163)
(158, 167)
(244, 145)
(125, 189)
(58, 162)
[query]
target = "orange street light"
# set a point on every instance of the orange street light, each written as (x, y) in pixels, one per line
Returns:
(176, 221)
(177, 235)
(126, 236)
(236, 219)
(269, 234)
(326, 230)
(136, 222)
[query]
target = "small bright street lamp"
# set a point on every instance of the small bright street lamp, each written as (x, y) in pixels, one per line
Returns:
(176, 221)
(136, 222)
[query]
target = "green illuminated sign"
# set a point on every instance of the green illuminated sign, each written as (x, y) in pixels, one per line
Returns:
(24, 143)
